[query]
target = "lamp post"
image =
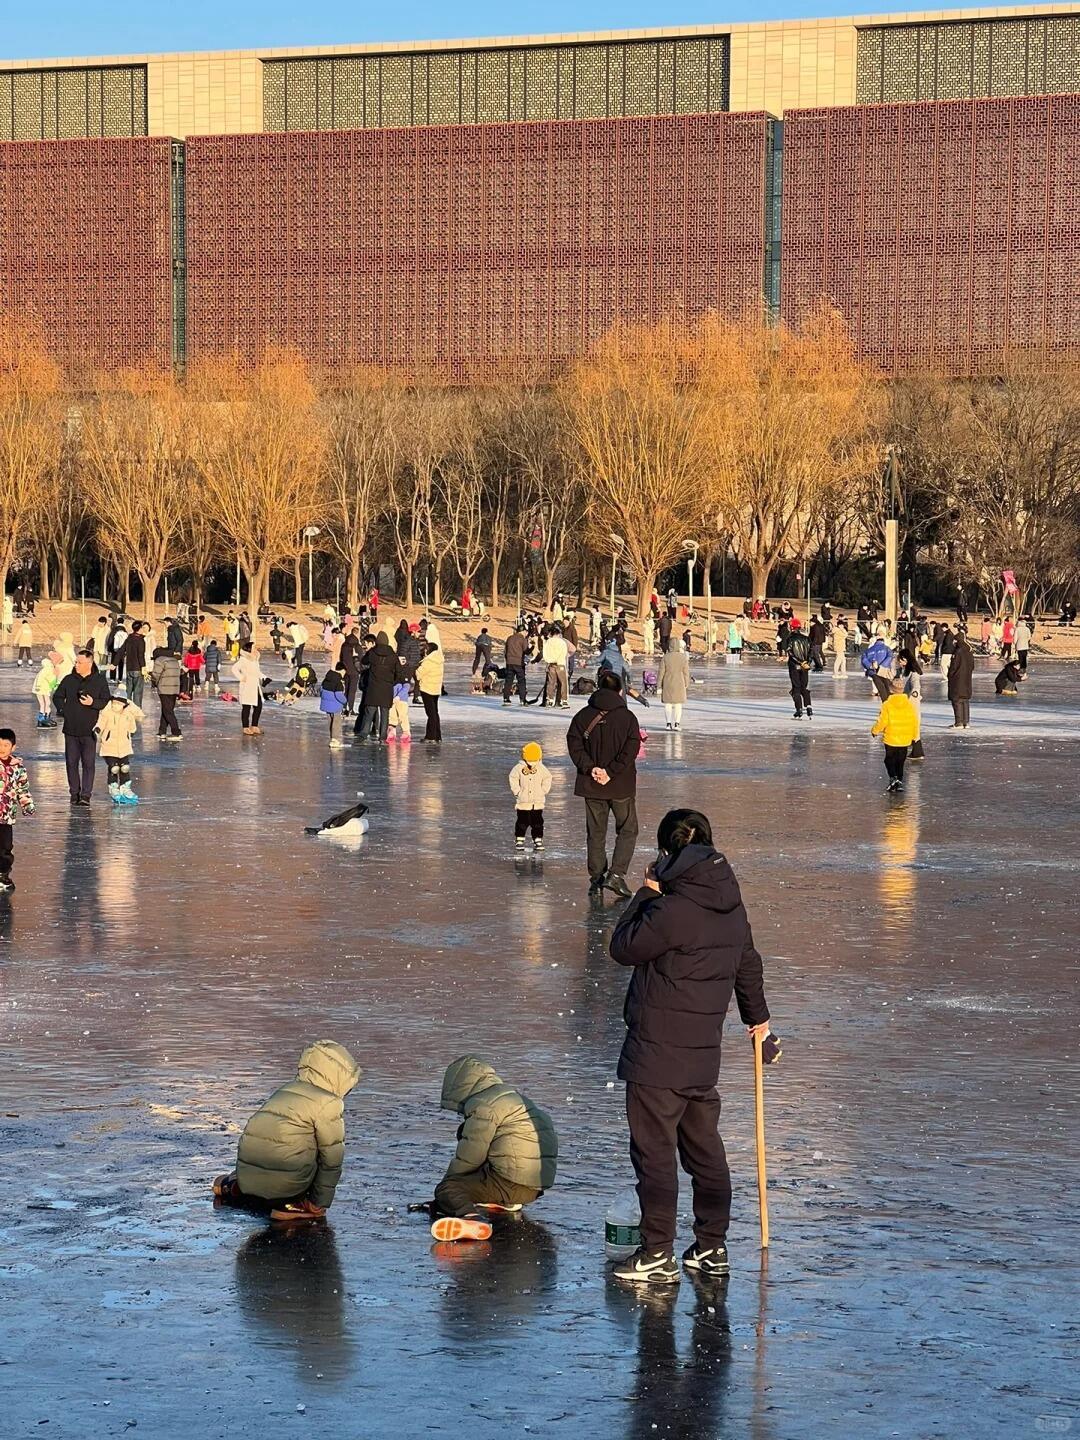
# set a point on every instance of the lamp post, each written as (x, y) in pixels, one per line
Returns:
(310, 531)
(892, 534)
(617, 543)
(691, 565)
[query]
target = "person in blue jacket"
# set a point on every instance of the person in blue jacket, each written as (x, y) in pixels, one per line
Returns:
(332, 697)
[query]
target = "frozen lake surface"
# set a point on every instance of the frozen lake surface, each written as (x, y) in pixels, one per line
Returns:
(161, 968)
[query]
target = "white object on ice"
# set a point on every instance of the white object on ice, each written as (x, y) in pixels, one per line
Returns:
(622, 1226)
(351, 830)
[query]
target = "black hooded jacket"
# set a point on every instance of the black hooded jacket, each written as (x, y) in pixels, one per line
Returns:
(384, 671)
(691, 947)
(604, 735)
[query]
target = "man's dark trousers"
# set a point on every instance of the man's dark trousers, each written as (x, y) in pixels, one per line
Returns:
(626, 833)
(80, 755)
(800, 687)
(515, 675)
(660, 1120)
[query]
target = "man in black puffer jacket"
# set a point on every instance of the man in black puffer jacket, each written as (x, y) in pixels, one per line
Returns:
(688, 938)
(603, 741)
(384, 671)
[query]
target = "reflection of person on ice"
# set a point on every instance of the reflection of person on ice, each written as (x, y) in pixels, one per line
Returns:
(688, 941)
(291, 1152)
(506, 1153)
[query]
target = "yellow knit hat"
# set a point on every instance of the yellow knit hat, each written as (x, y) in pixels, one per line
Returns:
(531, 753)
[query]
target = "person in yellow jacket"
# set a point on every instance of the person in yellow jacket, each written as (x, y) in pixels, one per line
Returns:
(898, 726)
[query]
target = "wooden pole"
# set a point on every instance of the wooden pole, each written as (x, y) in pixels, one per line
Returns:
(759, 1117)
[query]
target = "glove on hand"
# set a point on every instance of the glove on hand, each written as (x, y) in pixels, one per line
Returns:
(771, 1048)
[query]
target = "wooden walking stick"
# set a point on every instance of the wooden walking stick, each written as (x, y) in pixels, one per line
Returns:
(759, 1117)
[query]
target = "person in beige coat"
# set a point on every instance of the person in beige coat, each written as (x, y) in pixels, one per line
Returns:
(673, 680)
(429, 677)
(116, 726)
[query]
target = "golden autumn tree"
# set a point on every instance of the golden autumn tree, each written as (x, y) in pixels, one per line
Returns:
(636, 428)
(136, 466)
(31, 432)
(791, 419)
(259, 450)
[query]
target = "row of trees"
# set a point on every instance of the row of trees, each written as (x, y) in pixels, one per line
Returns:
(748, 439)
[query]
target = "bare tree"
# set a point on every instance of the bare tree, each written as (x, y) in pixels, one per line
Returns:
(792, 417)
(1012, 484)
(461, 489)
(413, 498)
(364, 424)
(551, 487)
(136, 466)
(260, 452)
(63, 524)
(636, 430)
(30, 433)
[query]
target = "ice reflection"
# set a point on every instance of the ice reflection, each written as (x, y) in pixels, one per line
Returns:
(899, 845)
(495, 1286)
(682, 1396)
(291, 1292)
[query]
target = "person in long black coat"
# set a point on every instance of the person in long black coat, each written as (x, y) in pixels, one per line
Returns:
(688, 939)
(961, 676)
(384, 671)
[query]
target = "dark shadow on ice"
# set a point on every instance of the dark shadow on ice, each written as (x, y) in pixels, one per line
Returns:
(291, 1292)
(495, 1285)
(680, 1396)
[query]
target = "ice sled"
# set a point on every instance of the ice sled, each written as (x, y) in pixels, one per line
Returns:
(345, 825)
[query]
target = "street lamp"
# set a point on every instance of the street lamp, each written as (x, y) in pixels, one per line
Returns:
(617, 543)
(691, 564)
(310, 532)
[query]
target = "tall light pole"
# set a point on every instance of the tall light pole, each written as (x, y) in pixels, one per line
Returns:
(691, 565)
(892, 535)
(310, 532)
(617, 543)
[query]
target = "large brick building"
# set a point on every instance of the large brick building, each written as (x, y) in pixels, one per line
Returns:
(477, 206)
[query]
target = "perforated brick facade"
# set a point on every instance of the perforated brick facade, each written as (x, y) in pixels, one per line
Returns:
(85, 247)
(60, 104)
(946, 233)
(470, 249)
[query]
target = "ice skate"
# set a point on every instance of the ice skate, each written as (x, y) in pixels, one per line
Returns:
(519, 845)
(538, 844)
(114, 791)
(461, 1227)
(127, 794)
(6, 883)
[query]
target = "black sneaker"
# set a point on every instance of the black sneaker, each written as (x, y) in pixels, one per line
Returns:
(708, 1262)
(809, 714)
(649, 1267)
(618, 886)
(84, 800)
(6, 882)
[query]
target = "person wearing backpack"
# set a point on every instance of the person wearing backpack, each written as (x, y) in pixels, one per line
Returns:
(798, 667)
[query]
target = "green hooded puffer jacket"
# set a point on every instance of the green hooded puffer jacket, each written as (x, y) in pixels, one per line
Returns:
(502, 1128)
(294, 1144)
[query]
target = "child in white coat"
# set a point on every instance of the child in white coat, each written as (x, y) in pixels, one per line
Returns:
(530, 781)
(116, 725)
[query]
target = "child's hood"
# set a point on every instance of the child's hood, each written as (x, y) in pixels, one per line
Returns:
(464, 1077)
(329, 1066)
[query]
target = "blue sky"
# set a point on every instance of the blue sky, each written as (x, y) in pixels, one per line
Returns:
(112, 27)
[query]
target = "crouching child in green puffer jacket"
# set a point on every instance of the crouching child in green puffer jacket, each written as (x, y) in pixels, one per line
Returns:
(291, 1152)
(506, 1153)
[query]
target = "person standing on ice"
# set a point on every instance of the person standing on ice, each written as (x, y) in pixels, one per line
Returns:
(688, 940)
(603, 742)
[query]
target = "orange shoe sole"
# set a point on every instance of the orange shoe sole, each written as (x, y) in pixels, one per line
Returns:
(493, 1209)
(294, 1215)
(452, 1227)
